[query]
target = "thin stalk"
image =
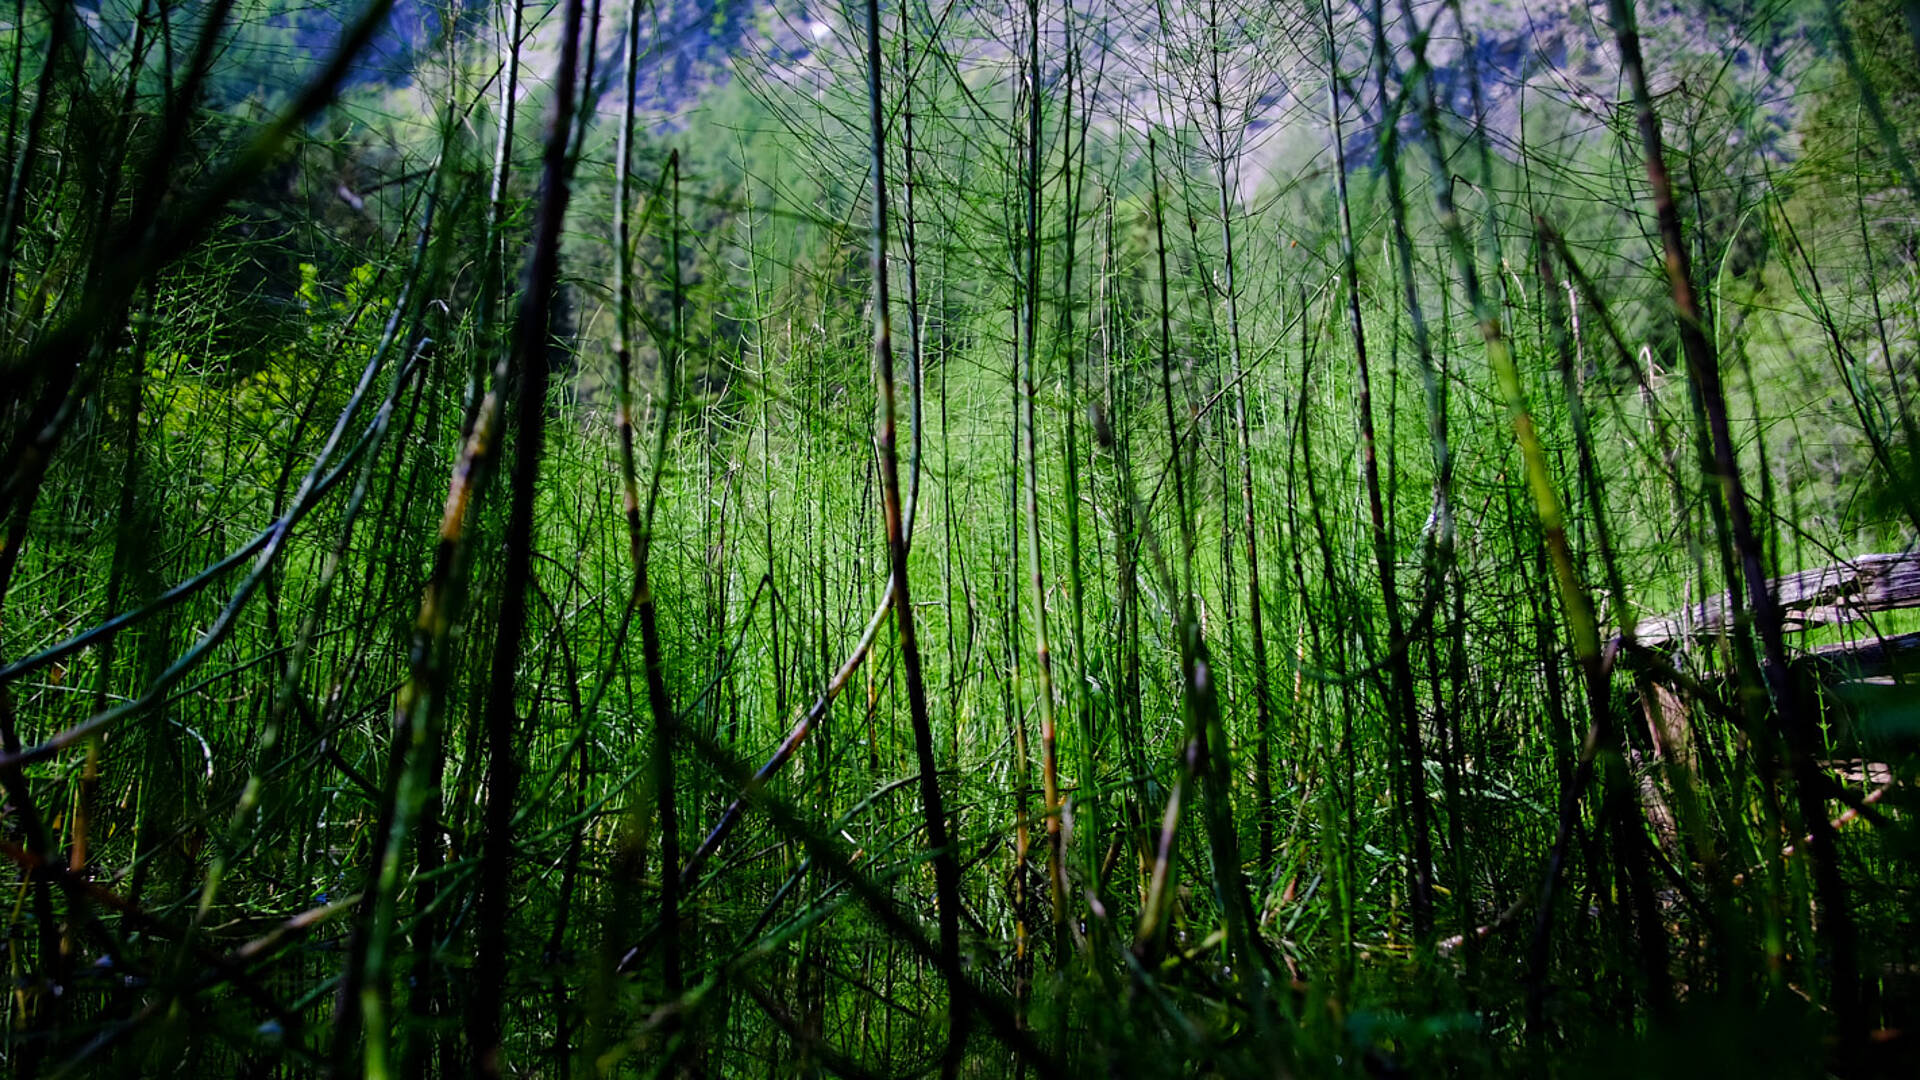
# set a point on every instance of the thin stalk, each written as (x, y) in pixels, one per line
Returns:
(1400, 688)
(946, 868)
(1703, 371)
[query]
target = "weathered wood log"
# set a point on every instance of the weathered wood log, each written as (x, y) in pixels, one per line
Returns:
(1863, 685)
(1867, 658)
(1829, 595)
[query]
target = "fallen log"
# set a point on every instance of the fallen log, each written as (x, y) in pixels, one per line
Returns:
(1843, 592)
(1865, 687)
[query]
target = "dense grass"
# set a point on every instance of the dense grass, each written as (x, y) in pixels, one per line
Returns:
(1033, 541)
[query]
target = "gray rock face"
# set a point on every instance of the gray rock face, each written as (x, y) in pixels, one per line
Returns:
(1551, 62)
